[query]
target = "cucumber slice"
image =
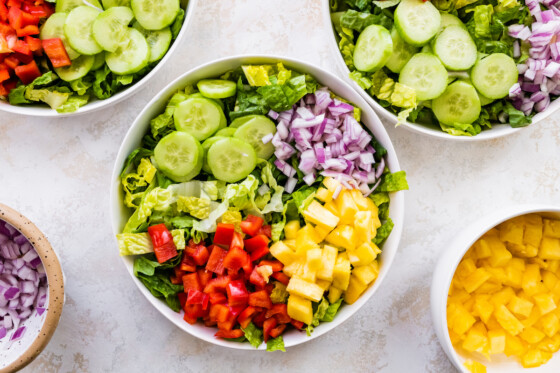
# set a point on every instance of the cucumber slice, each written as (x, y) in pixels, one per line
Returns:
(426, 75)
(231, 159)
(79, 68)
(200, 117)
(78, 30)
(217, 88)
(373, 48)
(217, 102)
(179, 156)
(450, 20)
(132, 55)
(253, 131)
(417, 21)
(458, 104)
(226, 132)
(155, 14)
(206, 145)
(238, 122)
(402, 53)
(68, 5)
(494, 75)
(110, 26)
(159, 41)
(455, 48)
(484, 100)
(427, 49)
(99, 61)
(113, 3)
(54, 28)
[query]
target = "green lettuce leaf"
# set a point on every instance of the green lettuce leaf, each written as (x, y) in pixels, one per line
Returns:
(331, 312)
(17, 96)
(275, 344)
(73, 103)
(280, 97)
(318, 315)
(141, 243)
(393, 182)
(279, 293)
(516, 117)
(461, 129)
(386, 3)
(55, 97)
(161, 287)
(197, 207)
(177, 24)
(163, 123)
(143, 265)
(379, 198)
(383, 232)
(361, 5)
(81, 86)
(253, 335)
(303, 197)
(358, 21)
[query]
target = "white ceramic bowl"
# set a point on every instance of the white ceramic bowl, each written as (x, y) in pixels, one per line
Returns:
(214, 69)
(39, 328)
(43, 110)
(497, 130)
(443, 274)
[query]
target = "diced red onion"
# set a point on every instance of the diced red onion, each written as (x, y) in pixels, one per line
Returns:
(290, 185)
(274, 115)
(309, 178)
(516, 49)
(266, 139)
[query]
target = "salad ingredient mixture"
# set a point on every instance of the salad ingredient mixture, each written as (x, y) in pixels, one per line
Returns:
(453, 63)
(221, 185)
(90, 49)
(505, 292)
(23, 283)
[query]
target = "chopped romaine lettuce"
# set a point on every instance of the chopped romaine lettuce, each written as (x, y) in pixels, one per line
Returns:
(275, 344)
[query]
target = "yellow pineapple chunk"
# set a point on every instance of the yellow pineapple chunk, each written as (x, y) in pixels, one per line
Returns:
(354, 290)
(283, 253)
(334, 294)
(323, 194)
(523, 251)
(341, 272)
(308, 273)
(300, 309)
(319, 215)
(497, 340)
(347, 207)
(475, 366)
(553, 265)
(515, 346)
(533, 318)
(552, 228)
(550, 280)
(314, 259)
(328, 260)
(475, 279)
(533, 230)
(322, 232)
(507, 320)
(459, 319)
(520, 307)
(512, 231)
(497, 274)
(514, 276)
(550, 248)
(325, 285)
(465, 268)
(532, 335)
(360, 200)
(482, 249)
(366, 274)
(549, 324)
(489, 286)
(291, 228)
(364, 254)
(550, 344)
(483, 308)
(517, 263)
(503, 296)
(545, 302)
(306, 239)
(363, 226)
(342, 236)
(291, 244)
(332, 185)
(500, 254)
(534, 358)
(305, 289)
(331, 206)
(295, 268)
(531, 279)
(476, 339)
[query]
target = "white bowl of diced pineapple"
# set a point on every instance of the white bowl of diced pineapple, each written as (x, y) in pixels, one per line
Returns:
(495, 294)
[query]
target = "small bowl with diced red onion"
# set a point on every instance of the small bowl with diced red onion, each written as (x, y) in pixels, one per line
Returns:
(31, 290)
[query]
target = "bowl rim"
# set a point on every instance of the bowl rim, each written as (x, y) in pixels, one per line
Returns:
(43, 111)
(452, 257)
(397, 198)
(55, 278)
(497, 131)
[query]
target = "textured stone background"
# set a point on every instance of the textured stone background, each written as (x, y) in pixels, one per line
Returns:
(57, 172)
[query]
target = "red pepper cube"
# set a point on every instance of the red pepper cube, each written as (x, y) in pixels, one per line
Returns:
(281, 277)
(204, 276)
(257, 279)
(276, 332)
(266, 230)
(245, 317)
(217, 298)
(218, 284)
(219, 312)
(199, 253)
(229, 334)
(260, 299)
(191, 282)
(280, 312)
(216, 260)
(12, 62)
(259, 253)
(193, 312)
(236, 259)
(35, 45)
(198, 297)
(28, 73)
(162, 240)
(268, 325)
(182, 299)
(55, 50)
(187, 263)
(259, 318)
(256, 243)
(297, 324)
(251, 225)
(224, 234)
(275, 264)
(236, 241)
(237, 293)
(4, 74)
(27, 31)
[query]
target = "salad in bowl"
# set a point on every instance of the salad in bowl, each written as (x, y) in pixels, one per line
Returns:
(453, 67)
(254, 204)
(59, 56)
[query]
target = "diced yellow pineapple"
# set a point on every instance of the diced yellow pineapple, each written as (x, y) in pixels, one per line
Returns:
(374, 212)
(342, 236)
(341, 272)
(493, 324)
(533, 230)
(322, 232)
(523, 251)
(295, 268)
(497, 274)
(531, 335)
(331, 206)
(282, 252)
(520, 307)
(469, 305)
(515, 346)
(533, 318)
(354, 290)
(309, 274)
(549, 279)
(553, 265)
(507, 320)
(534, 358)
(364, 254)
(365, 274)
(550, 344)
(325, 285)
(482, 249)
(328, 260)
(305, 289)
(489, 286)
(465, 268)
(459, 319)
(476, 339)
(552, 228)
(331, 185)
(459, 296)
(497, 340)
(291, 244)
(545, 302)
(334, 294)
(319, 215)
(494, 232)
(550, 248)
(475, 366)
(531, 278)
(549, 324)
(500, 254)
(347, 207)
(359, 200)
(475, 279)
(517, 263)
(323, 194)
(503, 296)
(314, 259)
(483, 308)
(300, 309)
(454, 337)
(514, 277)
(363, 227)
(512, 231)
(306, 239)
(291, 228)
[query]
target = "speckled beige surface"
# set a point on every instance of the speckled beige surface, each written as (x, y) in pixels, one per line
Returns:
(57, 172)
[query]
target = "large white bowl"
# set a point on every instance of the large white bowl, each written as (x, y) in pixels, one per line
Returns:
(43, 110)
(443, 274)
(214, 69)
(497, 130)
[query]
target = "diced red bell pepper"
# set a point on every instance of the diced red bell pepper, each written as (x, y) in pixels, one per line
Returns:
(7, 86)
(259, 253)
(4, 47)
(28, 73)
(187, 263)
(15, 17)
(193, 312)
(27, 31)
(256, 243)
(219, 312)
(208, 322)
(217, 298)
(251, 225)
(175, 280)
(259, 318)
(216, 260)
(14, 4)
(224, 234)
(217, 284)
(191, 282)
(12, 62)
(236, 310)
(230, 334)
(297, 324)
(275, 264)
(22, 52)
(3, 91)
(162, 240)
(282, 277)
(182, 299)
(199, 253)
(4, 74)
(34, 44)
(266, 230)
(245, 317)
(229, 323)
(280, 312)
(268, 325)
(204, 276)
(260, 299)
(55, 50)
(178, 273)
(237, 293)
(41, 11)
(3, 12)
(236, 241)
(198, 297)
(277, 331)
(235, 259)
(257, 279)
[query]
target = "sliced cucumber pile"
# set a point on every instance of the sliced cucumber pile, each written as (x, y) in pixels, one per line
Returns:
(373, 48)
(417, 21)
(494, 75)
(425, 73)
(179, 155)
(458, 104)
(455, 48)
